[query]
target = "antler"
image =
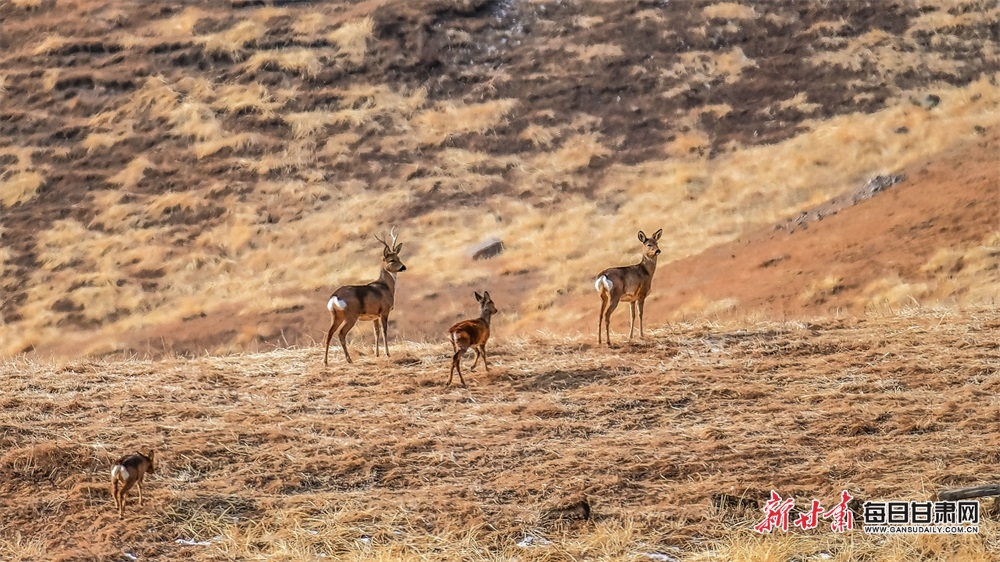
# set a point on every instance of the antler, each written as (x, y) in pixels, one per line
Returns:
(390, 248)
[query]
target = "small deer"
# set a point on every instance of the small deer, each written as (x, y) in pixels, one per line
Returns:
(127, 472)
(628, 283)
(373, 301)
(474, 334)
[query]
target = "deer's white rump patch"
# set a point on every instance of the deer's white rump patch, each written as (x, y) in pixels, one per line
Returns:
(119, 472)
(603, 284)
(336, 303)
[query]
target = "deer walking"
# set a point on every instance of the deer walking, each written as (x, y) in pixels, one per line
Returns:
(628, 283)
(373, 301)
(474, 334)
(127, 472)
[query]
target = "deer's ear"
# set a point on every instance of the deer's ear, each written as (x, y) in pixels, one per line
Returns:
(478, 297)
(397, 248)
(642, 237)
(486, 296)
(657, 234)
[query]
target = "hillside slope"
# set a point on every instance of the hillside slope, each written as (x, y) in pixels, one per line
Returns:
(181, 176)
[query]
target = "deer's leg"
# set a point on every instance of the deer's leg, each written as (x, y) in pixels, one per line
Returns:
(378, 334)
(600, 319)
(631, 319)
(334, 323)
(485, 364)
(348, 324)
(385, 333)
(140, 491)
(476, 362)
(641, 303)
(456, 361)
(115, 490)
(612, 305)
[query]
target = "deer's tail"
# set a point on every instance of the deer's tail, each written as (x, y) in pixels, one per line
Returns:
(336, 303)
(119, 472)
(603, 284)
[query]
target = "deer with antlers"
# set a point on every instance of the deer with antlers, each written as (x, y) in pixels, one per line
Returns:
(373, 301)
(474, 334)
(628, 283)
(127, 472)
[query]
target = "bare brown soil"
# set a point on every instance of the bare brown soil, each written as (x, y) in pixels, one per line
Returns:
(273, 456)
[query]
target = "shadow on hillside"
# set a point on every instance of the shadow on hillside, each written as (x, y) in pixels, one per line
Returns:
(563, 380)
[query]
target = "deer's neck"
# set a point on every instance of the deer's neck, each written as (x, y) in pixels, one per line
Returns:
(649, 264)
(486, 315)
(389, 278)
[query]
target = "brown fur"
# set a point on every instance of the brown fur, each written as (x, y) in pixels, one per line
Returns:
(373, 302)
(135, 466)
(474, 334)
(630, 284)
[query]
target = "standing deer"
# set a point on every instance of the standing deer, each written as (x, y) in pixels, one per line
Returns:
(373, 301)
(127, 472)
(472, 333)
(628, 283)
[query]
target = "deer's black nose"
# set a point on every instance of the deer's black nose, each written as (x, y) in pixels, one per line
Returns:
(402, 268)
(657, 252)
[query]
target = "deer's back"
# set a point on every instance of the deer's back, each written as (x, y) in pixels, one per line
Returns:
(371, 299)
(134, 464)
(632, 280)
(470, 332)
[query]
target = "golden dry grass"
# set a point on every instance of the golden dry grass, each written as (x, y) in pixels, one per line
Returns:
(19, 187)
(271, 456)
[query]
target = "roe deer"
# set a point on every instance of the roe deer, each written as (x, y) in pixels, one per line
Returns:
(472, 333)
(127, 472)
(628, 283)
(373, 301)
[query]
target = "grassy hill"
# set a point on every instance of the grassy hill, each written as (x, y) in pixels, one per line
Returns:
(191, 177)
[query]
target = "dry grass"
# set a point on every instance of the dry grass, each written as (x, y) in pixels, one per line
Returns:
(446, 120)
(729, 11)
(232, 41)
(305, 62)
(19, 187)
(133, 173)
(272, 456)
(352, 39)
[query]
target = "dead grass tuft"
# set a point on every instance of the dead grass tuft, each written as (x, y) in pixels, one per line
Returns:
(301, 61)
(19, 187)
(352, 39)
(133, 173)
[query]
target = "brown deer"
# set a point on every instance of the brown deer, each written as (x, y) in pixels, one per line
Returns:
(628, 283)
(127, 472)
(472, 333)
(373, 301)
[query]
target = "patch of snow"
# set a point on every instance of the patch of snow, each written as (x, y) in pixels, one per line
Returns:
(131, 556)
(192, 542)
(659, 557)
(530, 540)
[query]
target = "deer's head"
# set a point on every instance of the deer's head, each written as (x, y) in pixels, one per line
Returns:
(487, 303)
(390, 254)
(650, 250)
